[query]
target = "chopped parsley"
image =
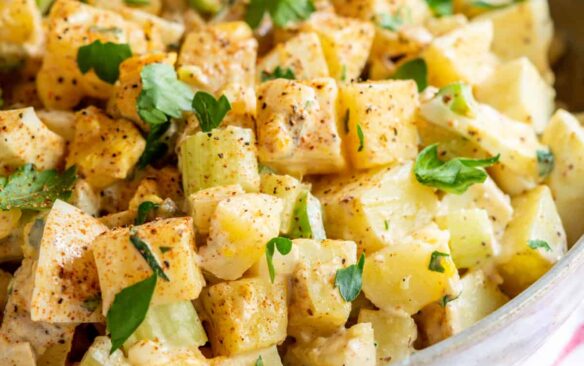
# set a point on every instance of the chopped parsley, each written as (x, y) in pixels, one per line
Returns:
(144, 249)
(143, 210)
(435, 264)
(361, 137)
(129, 310)
(259, 361)
(30, 189)
(278, 73)
(282, 12)
(416, 70)
(446, 299)
(103, 58)
(283, 245)
(210, 111)
(349, 280)
(454, 176)
(545, 162)
(155, 148)
(537, 244)
(441, 8)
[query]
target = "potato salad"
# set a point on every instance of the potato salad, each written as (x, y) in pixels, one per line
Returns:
(274, 182)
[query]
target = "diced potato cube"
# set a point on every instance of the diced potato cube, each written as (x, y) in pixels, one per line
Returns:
(245, 315)
(525, 257)
(270, 357)
(316, 307)
(160, 32)
(523, 29)
(479, 297)
(346, 43)
(21, 34)
(104, 150)
(289, 190)
(120, 265)
(364, 9)
(516, 142)
(472, 238)
(376, 208)
(99, 354)
(18, 128)
(445, 24)
(60, 122)
(152, 6)
(66, 286)
(565, 136)
(303, 54)
(17, 325)
(486, 196)
(219, 158)
(122, 103)
(416, 272)
(395, 334)
(16, 354)
(299, 127)
(9, 221)
(85, 198)
(202, 204)
(72, 24)
(517, 90)
(241, 226)
(349, 347)
(379, 122)
(221, 59)
(450, 144)
(388, 45)
(461, 55)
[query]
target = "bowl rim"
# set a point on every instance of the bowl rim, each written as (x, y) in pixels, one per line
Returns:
(506, 314)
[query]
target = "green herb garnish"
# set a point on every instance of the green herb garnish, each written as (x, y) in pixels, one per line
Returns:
(129, 310)
(436, 261)
(459, 99)
(390, 22)
(441, 8)
(278, 73)
(30, 189)
(155, 148)
(454, 176)
(144, 249)
(349, 280)
(283, 245)
(143, 211)
(259, 361)
(210, 111)
(545, 162)
(361, 137)
(282, 12)
(446, 299)
(307, 223)
(416, 70)
(103, 58)
(537, 244)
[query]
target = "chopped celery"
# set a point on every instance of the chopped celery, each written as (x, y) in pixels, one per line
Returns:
(99, 354)
(219, 158)
(307, 219)
(175, 325)
(288, 189)
(206, 6)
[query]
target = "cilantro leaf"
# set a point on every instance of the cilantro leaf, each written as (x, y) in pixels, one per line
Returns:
(390, 22)
(155, 149)
(163, 95)
(129, 310)
(143, 211)
(536, 244)
(361, 137)
(458, 97)
(30, 189)
(144, 249)
(416, 70)
(349, 280)
(545, 162)
(441, 8)
(259, 361)
(103, 58)
(436, 261)
(454, 176)
(307, 216)
(278, 73)
(283, 245)
(282, 12)
(210, 111)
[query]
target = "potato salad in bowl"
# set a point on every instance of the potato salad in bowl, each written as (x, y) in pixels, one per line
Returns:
(274, 182)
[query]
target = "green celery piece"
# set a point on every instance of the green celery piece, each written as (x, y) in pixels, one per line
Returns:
(99, 354)
(206, 6)
(307, 218)
(176, 325)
